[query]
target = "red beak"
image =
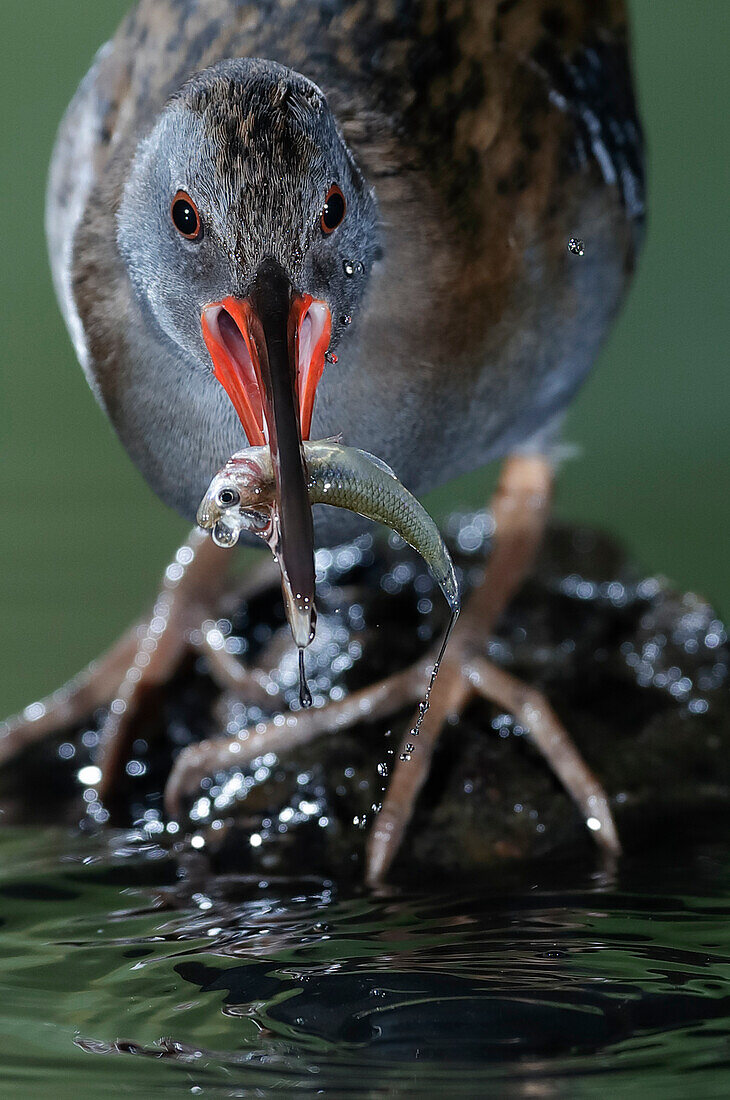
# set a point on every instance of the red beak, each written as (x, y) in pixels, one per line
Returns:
(268, 353)
(227, 330)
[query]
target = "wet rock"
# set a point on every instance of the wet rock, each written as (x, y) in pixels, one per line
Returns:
(636, 672)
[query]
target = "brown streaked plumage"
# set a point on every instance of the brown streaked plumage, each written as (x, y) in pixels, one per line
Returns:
(471, 139)
(491, 132)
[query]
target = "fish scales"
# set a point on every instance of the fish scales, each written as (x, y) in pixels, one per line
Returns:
(361, 484)
(343, 477)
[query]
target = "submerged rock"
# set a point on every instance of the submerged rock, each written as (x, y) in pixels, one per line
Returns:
(636, 672)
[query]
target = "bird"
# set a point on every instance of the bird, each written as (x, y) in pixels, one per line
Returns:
(406, 223)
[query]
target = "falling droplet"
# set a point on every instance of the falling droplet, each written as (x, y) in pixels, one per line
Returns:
(349, 268)
(424, 705)
(576, 246)
(409, 747)
(382, 769)
(305, 695)
(224, 535)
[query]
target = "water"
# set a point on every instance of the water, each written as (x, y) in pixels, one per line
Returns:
(122, 967)
(425, 704)
(305, 695)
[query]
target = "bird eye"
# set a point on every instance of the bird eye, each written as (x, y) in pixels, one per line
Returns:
(185, 217)
(333, 210)
(228, 497)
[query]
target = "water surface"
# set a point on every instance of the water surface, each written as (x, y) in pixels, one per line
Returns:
(119, 974)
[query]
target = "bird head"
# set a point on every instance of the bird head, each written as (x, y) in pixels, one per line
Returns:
(249, 232)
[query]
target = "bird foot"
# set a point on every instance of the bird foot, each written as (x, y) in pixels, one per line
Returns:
(183, 619)
(298, 728)
(519, 509)
(92, 688)
(143, 660)
(464, 674)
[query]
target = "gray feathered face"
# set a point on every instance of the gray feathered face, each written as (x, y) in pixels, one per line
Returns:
(246, 163)
(249, 233)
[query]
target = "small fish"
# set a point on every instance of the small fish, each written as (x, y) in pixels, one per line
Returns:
(240, 495)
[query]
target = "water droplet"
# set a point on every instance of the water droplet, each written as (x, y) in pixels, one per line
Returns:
(330, 357)
(406, 756)
(305, 695)
(382, 769)
(349, 268)
(425, 704)
(576, 246)
(346, 319)
(90, 775)
(224, 535)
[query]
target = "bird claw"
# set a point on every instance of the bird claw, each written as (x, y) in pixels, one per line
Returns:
(465, 675)
(376, 701)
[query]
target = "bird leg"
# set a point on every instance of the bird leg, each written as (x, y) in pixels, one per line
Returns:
(217, 754)
(94, 687)
(144, 658)
(148, 655)
(191, 588)
(520, 508)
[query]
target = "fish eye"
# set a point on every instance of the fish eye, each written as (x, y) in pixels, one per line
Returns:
(228, 497)
(185, 217)
(333, 211)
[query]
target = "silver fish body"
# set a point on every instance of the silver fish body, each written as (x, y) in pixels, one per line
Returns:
(344, 477)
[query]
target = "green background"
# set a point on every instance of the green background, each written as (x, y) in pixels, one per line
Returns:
(651, 423)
